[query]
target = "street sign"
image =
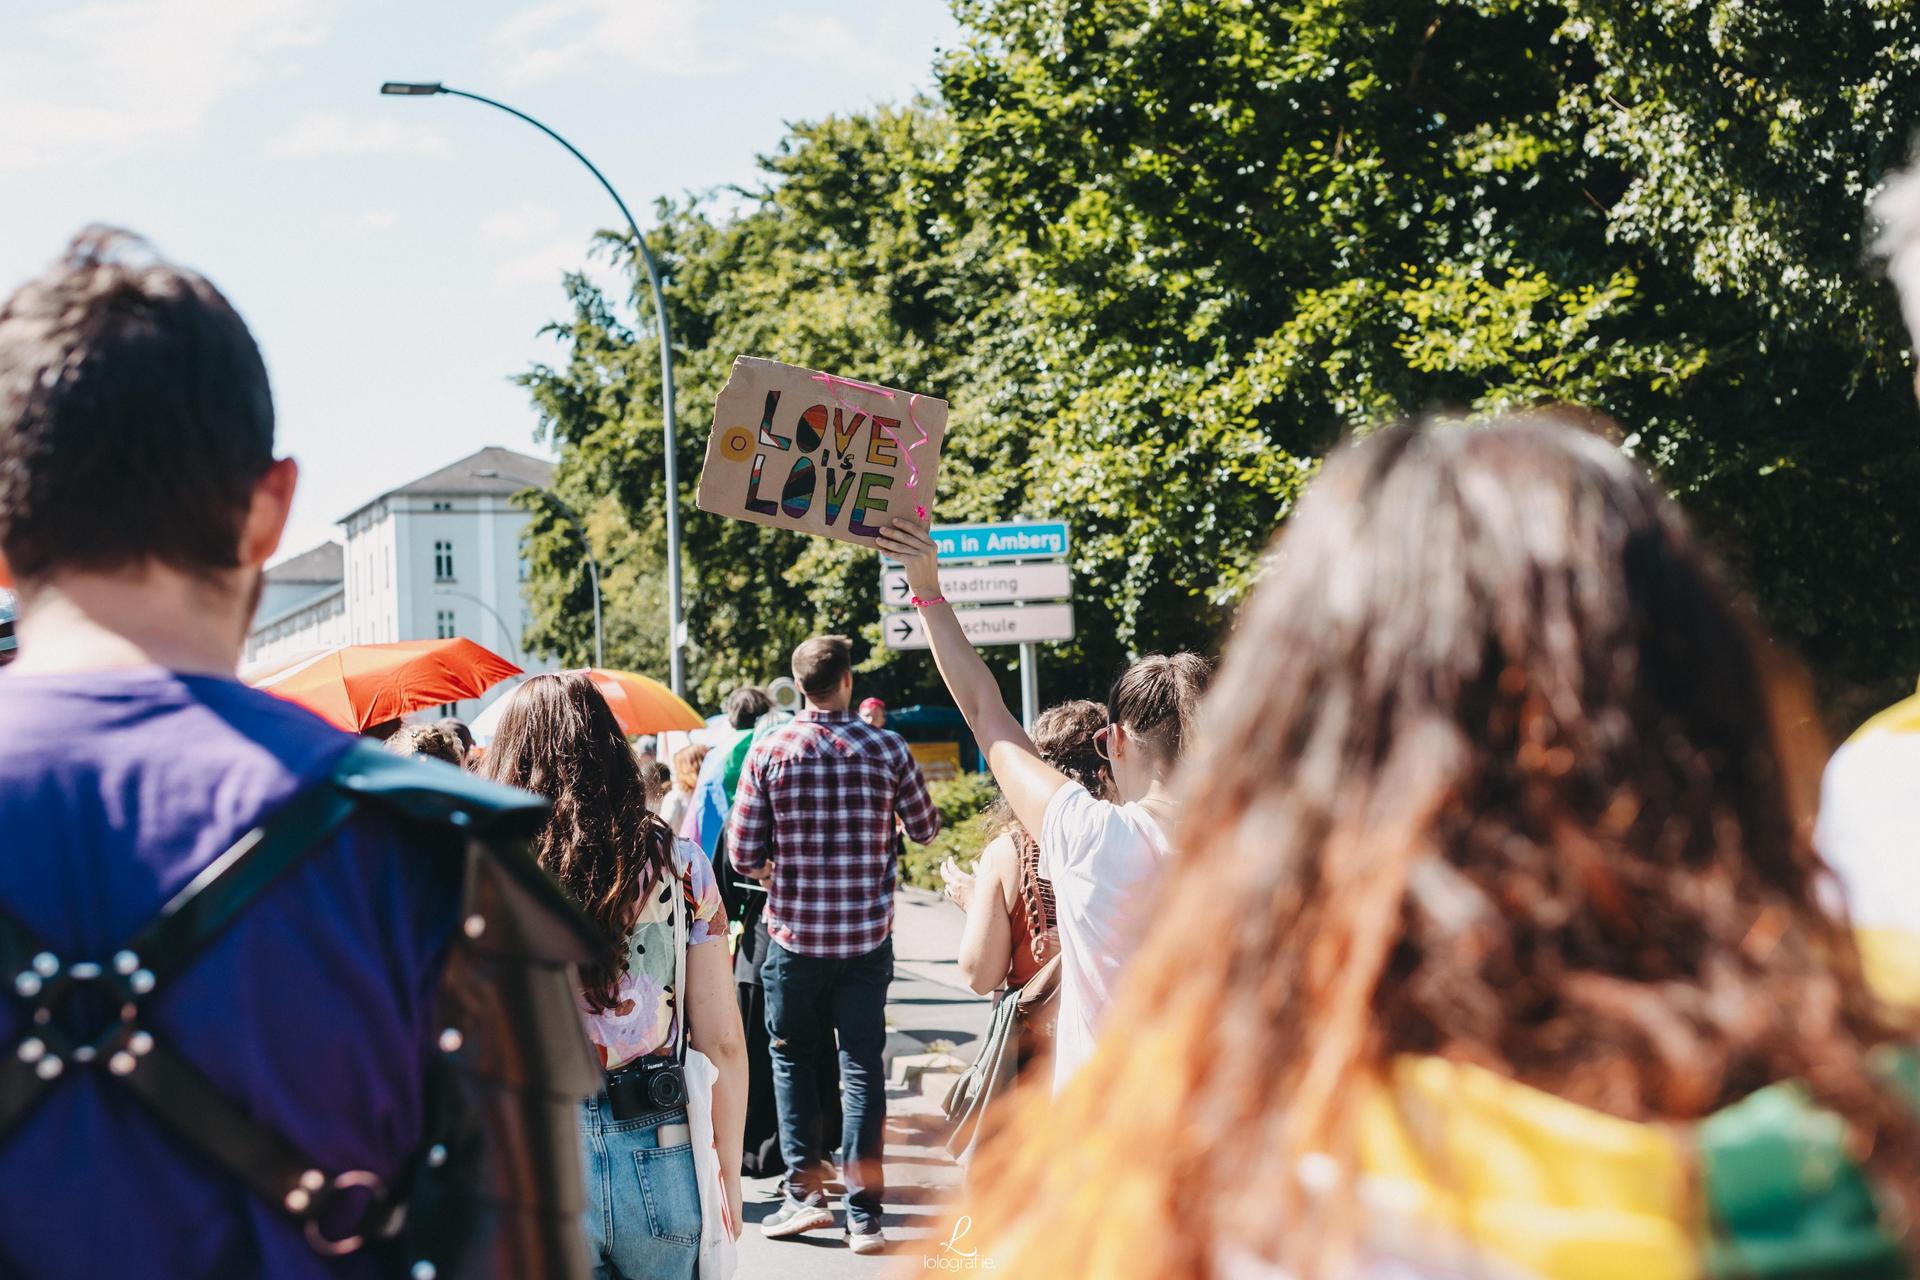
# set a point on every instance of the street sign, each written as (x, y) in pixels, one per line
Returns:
(986, 584)
(1024, 624)
(1007, 540)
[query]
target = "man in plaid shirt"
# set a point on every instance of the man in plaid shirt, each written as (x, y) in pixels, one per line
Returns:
(813, 820)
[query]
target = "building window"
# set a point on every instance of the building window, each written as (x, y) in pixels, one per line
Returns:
(443, 562)
(443, 506)
(443, 625)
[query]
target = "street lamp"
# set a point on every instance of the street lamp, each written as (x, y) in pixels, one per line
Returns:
(593, 572)
(676, 659)
(506, 633)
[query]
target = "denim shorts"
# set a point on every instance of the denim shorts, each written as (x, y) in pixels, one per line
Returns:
(643, 1202)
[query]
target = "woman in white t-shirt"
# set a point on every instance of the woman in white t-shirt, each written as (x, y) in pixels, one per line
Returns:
(1099, 854)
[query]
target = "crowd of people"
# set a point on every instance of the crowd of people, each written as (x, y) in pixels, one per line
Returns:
(1471, 921)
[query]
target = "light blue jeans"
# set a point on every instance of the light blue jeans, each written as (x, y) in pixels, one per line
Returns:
(643, 1203)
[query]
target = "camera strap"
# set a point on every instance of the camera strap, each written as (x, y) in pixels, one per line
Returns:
(680, 933)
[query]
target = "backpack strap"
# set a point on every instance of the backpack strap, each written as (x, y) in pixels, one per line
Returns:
(495, 1187)
(171, 1087)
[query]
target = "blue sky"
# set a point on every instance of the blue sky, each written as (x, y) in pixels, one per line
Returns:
(396, 256)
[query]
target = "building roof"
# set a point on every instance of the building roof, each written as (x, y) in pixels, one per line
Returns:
(324, 563)
(302, 605)
(493, 470)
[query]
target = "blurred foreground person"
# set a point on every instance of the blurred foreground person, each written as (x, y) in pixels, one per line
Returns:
(1870, 799)
(659, 985)
(275, 1000)
(1512, 955)
(1101, 856)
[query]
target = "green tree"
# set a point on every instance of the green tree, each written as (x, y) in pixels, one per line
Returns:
(1161, 254)
(841, 262)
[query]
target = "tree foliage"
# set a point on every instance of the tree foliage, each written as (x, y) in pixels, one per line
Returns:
(1161, 254)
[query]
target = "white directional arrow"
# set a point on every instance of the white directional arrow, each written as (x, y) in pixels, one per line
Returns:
(1017, 624)
(986, 583)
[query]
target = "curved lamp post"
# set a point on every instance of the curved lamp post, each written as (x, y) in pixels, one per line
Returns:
(513, 649)
(676, 659)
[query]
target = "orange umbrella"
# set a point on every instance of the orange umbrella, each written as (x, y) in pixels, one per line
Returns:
(640, 704)
(644, 705)
(354, 686)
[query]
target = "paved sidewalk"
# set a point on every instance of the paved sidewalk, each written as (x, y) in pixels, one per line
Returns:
(928, 1006)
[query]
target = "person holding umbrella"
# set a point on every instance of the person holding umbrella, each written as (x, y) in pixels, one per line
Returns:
(274, 998)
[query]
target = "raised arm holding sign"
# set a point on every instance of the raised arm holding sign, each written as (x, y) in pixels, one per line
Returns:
(799, 449)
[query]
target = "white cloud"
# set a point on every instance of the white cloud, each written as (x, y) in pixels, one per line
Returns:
(525, 222)
(337, 135)
(685, 39)
(92, 81)
(376, 220)
(659, 37)
(542, 266)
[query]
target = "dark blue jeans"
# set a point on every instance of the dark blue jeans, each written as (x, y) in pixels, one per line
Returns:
(797, 988)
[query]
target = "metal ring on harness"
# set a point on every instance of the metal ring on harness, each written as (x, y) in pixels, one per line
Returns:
(120, 1040)
(351, 1180)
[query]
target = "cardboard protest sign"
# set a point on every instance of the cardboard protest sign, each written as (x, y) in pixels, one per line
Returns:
(798, 449)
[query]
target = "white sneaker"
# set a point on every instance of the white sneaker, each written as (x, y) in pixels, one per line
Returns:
(874, 1241)
(795, 1219)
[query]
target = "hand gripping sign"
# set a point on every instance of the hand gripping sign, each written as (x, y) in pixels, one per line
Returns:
(797, 449)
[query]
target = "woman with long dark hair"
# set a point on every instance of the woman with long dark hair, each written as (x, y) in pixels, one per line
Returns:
(623, 867)
(1493, 942)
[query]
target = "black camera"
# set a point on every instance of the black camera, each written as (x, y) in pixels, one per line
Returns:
(645, 1088)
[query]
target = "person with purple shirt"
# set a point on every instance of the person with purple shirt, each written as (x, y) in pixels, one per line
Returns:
(272, 1001)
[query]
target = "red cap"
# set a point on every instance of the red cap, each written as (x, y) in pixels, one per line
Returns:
(865, 703)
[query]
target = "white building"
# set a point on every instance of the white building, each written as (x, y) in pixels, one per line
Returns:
(435, 558)
(302, 606)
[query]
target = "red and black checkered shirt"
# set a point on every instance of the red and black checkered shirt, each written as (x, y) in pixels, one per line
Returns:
(817, 798)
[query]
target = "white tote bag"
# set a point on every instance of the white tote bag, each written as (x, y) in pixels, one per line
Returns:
(719, 1252)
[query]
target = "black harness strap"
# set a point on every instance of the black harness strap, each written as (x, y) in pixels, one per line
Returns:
(171, 1087)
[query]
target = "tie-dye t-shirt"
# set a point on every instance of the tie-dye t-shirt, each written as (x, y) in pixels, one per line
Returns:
(641, 1021)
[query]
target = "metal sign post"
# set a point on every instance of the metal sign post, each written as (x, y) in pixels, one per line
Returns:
(1029, 685)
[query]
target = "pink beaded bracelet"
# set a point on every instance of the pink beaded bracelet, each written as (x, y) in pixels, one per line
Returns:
(918, 603)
